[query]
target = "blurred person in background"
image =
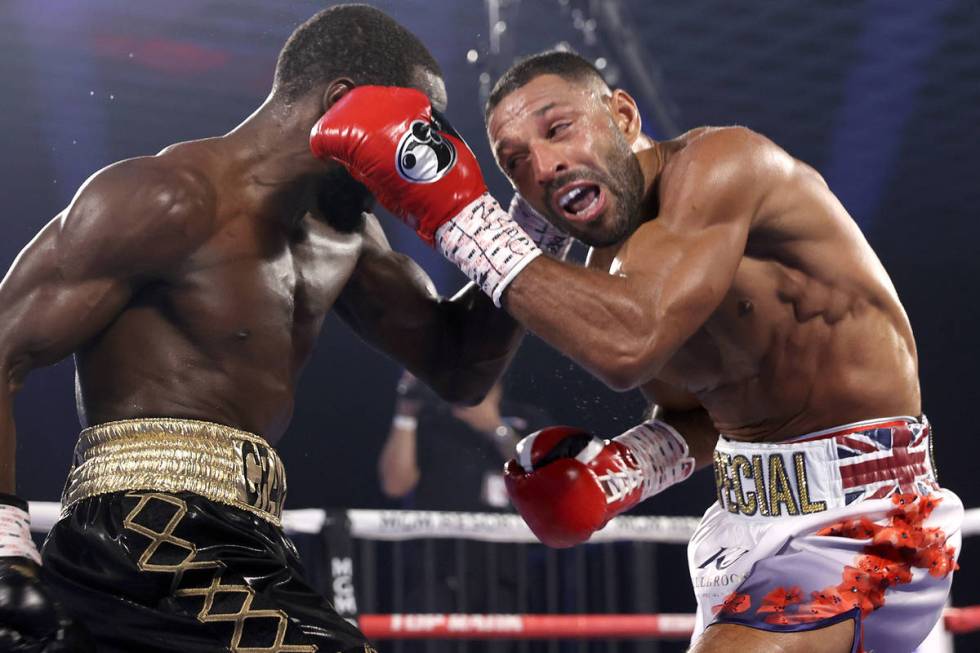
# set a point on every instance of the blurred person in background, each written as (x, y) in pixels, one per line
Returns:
(443, 456)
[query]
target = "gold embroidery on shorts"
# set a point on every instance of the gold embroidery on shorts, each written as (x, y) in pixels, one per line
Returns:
(212, 590)
(719, 477)
(747, 504)
(780, 490)
(165, 537)
(760, 485)
(265, 478)
(799, 462)
(726, 488)
(223, 464)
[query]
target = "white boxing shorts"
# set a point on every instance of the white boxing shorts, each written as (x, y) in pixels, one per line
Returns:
(847, 523)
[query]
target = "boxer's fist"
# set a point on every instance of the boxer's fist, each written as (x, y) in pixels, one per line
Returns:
(30, 621)
(567, 483)
(413, 162)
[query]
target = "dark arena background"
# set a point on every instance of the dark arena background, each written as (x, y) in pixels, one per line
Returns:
(881, 97)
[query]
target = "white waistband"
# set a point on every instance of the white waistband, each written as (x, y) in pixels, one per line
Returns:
(824, 470)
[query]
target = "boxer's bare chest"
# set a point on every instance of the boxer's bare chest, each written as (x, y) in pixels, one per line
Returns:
(265, 288)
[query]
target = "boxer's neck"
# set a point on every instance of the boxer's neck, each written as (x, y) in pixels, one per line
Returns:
(652, 157)
(272, 148)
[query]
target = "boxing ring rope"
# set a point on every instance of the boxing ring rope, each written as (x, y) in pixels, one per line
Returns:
(398, 525)
(391, 525)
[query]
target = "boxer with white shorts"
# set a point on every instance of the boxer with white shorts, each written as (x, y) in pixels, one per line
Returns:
(729, 284)
(843, 525)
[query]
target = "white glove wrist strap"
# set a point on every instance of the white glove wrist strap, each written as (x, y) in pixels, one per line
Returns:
(661, 453)
(15, 534)
(487, 245)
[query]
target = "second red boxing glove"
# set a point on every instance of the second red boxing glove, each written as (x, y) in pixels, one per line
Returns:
(567, 483)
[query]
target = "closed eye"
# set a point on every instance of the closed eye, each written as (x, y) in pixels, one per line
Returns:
(558, 128)
(511, 164)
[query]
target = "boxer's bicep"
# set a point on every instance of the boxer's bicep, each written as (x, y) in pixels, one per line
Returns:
(669, 276)
(683, 264)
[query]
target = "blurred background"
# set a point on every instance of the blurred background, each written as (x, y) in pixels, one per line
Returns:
(881, 97)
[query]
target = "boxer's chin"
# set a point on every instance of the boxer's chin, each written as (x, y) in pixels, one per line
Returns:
(343, 201)
(609, 228)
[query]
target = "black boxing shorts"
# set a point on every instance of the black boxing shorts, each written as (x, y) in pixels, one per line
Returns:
(171, 541)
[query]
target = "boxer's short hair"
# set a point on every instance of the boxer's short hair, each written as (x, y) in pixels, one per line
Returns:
(565, 64)
(355, 41)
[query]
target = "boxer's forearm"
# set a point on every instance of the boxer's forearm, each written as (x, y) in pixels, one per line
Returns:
(593, 318)
(478, 343)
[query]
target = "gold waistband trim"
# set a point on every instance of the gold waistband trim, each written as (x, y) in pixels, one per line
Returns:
(217, 462)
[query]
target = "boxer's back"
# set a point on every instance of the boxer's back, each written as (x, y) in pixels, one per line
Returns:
(811, 333)
(221, 336)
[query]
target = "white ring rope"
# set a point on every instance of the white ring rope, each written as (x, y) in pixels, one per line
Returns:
(484, 527)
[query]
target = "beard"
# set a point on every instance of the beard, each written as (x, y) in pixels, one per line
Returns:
(343, 201)
(624, 181)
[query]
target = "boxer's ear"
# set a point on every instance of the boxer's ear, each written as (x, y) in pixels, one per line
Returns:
(336, 89)
(626, 114)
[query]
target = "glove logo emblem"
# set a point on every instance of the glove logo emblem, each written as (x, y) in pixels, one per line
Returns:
(424, 155)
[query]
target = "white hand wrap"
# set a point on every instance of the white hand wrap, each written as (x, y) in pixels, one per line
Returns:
(661, 453)
(552, 240)
(487, 245)
(15, 534)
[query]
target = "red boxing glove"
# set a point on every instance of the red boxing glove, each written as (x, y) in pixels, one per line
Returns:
(567, 483)
(414, 164)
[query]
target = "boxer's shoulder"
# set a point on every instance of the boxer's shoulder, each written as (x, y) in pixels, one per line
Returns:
(708, 149)
(153, 209)
(718, 173)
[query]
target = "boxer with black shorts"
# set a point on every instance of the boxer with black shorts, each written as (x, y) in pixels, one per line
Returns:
(728, 283)
(191, 287)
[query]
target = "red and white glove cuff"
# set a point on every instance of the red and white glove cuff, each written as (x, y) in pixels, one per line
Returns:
(487, 245)
(15, 533)
(660, 452)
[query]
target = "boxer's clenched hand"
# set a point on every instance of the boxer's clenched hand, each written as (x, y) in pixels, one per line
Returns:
(30, 619)
(567, 483)
(391, 140)
(413, 163)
